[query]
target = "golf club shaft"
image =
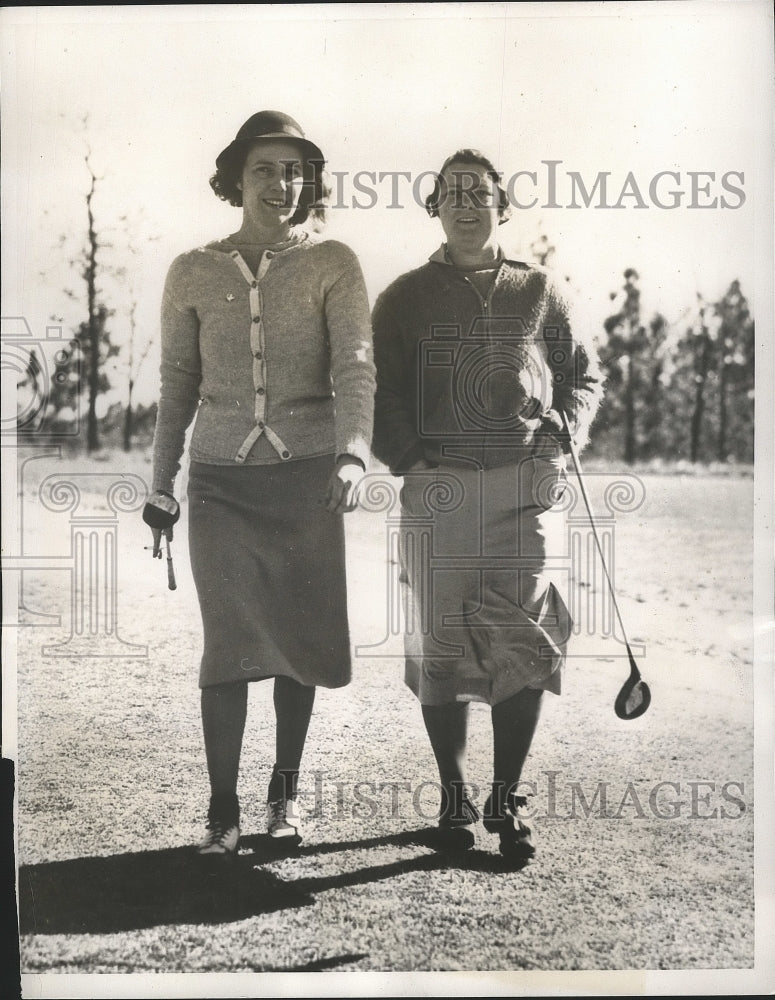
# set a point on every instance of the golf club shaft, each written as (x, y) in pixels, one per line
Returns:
(577, 467)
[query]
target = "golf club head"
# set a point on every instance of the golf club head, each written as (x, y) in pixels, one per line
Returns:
(633, 699)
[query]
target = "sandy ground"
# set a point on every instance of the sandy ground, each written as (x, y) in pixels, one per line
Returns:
(646, 828)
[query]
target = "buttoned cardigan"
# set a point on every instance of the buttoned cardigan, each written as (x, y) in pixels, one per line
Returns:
(275, 365)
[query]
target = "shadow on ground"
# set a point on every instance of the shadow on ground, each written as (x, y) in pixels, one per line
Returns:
(150, 888)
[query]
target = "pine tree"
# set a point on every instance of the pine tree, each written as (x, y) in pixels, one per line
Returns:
(704, 362)
(656, 432)
(735, 364)
(622, 358)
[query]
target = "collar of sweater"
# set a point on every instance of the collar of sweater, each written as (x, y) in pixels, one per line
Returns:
(296, 238)
(441, 256)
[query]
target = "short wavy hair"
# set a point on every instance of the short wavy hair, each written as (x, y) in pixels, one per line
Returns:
(315, 192)
(470, 157)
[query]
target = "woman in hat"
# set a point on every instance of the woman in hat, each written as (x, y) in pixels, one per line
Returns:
(260, 330)
(477, 361)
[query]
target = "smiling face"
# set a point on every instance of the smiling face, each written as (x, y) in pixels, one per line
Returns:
(271, 184)
(468, 208)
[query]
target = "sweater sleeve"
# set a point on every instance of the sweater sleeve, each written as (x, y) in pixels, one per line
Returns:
(578, 382)
(180, 377)
(352, 365)
(396, 441)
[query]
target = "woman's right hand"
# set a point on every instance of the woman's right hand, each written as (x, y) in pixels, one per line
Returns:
(157, 536)
(344, 486)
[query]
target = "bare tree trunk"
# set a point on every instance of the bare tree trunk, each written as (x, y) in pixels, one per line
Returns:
(128, 419)
(699, 398)
(699, 406)
(721, 447)
(92, 432)
(629, 415)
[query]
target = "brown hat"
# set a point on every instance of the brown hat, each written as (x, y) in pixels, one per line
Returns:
(271, 125)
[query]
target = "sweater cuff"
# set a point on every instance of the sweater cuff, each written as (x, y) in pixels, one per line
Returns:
(351, 457)
(163, 485)
(357, 447)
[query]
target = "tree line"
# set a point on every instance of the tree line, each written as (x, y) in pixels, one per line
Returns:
(681, 390)
(677, 391)
(92, 366)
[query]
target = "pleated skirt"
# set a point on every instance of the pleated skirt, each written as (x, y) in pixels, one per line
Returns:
(268, 561)
(481, 556)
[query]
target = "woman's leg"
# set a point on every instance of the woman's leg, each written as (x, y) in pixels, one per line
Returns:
(514, 723)
(293, 703)
(447, 728)
(224, 709)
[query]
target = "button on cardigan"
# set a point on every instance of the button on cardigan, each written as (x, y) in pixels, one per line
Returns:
(275, 366)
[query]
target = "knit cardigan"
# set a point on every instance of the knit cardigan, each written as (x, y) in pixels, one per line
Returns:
(276, 366)
(463, 375)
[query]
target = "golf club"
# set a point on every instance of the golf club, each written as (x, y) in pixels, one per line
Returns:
(161, 512)
(635, 697)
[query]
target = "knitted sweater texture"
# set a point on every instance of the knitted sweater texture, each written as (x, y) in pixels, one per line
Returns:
(275, 366)
(466, 376)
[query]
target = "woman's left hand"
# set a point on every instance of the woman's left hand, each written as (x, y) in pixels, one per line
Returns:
(344, 486)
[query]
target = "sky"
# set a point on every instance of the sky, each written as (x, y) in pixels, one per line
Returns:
(628, 91)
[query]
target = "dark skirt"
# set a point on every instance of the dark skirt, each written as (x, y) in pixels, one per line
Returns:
(268, 562)
(484, 615)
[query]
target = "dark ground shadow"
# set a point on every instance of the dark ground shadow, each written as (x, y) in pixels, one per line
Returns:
(149, 888)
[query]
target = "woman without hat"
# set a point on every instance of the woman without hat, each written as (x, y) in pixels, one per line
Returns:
(259, 331)
(476, 359)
